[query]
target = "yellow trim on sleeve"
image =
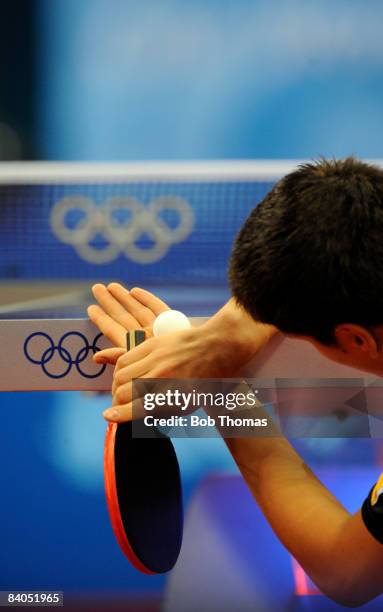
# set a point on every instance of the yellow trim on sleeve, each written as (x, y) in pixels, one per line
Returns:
(377, 491)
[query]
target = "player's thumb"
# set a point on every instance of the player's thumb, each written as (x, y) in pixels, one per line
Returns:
(108, 355)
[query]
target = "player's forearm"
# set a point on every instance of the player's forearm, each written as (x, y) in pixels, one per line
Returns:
(239, 331)
(306, 517)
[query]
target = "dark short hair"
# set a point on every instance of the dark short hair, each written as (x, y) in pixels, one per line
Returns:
(310, 255)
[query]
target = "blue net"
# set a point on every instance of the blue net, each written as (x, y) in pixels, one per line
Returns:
(141, 232)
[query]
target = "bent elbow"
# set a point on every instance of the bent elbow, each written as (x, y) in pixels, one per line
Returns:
(350, 601)
(350, 596)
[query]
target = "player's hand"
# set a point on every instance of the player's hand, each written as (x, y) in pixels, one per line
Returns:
(120, 310)
(192, 353)
(217, 349)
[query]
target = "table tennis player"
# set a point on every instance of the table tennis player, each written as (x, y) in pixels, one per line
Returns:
(309, 263)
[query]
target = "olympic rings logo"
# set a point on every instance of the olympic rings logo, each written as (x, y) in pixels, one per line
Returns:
(121, 222)
(64, 352)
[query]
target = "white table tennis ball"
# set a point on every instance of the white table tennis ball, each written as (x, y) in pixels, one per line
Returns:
(170, 321)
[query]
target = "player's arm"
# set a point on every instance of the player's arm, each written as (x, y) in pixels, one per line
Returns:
(216, 349)
(336, 549)
(119, 310)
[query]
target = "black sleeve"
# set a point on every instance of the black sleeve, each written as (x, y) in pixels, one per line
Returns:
(372, 515)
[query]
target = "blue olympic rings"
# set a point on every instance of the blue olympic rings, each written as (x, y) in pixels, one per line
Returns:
(64, 353)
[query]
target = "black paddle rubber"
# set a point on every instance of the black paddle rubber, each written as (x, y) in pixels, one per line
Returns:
(144, 493)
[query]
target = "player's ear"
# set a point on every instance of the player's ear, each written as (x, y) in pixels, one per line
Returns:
(354, 339)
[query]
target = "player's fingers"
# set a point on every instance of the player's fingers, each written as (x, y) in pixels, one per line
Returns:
(122, 381)
(125, 408)
(124, 376)
(136, 370)
(149, 300)
(116, 398)
(141, 312)
(110, 355)
(112, 330)
(114, 308)
(139, 352)
(121, 412)
(141, 368)
(118, 414)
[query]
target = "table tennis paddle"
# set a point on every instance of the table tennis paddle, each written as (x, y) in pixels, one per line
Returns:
(143, 493)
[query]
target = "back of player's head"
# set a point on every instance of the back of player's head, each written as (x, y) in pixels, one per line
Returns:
(310, 255)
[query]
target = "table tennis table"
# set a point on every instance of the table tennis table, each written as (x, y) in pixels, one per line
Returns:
(50, 341)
